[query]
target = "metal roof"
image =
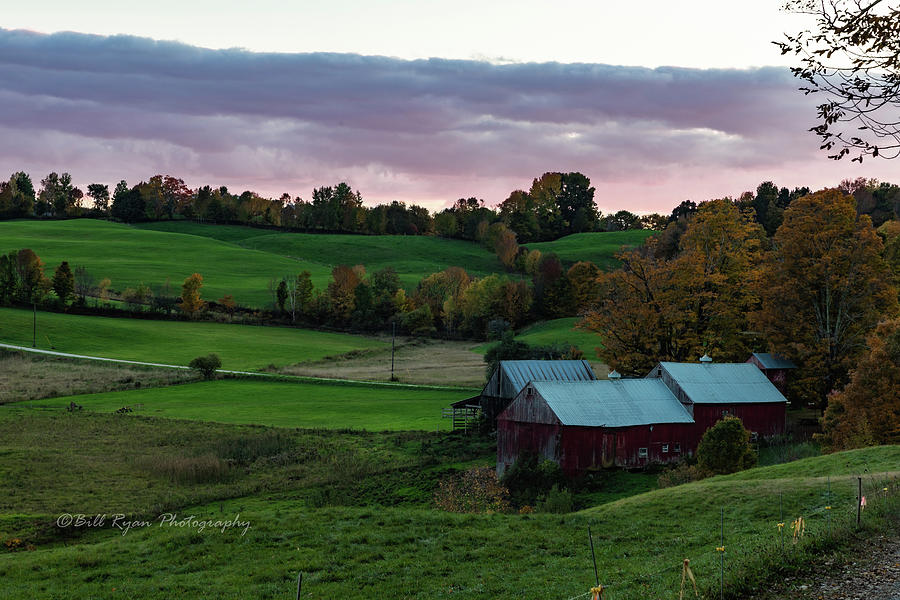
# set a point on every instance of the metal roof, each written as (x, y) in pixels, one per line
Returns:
(512, 375)
(604, 403)
(773, 361)
(723, 383)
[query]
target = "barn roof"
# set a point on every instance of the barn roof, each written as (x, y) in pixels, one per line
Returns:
(605, 403)
(773, 361)
(723, 383)
(512, 375)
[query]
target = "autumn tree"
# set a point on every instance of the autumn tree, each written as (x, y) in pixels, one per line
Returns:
(655, 308)
(584, 279)
(851, 61)
(867, 411)
(191, 302)
(228, 303)
(507, 248)
(341, 291)
(64, 283)
(823, 289)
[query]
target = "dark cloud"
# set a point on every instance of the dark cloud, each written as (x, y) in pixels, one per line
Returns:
(294, 119)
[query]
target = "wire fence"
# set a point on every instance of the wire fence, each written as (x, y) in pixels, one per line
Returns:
(736, 559)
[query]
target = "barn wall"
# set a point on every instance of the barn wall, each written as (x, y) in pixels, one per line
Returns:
(629, 441)
(765, 419)
(514, 438)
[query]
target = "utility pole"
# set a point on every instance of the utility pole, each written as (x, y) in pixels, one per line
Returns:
(393, 336)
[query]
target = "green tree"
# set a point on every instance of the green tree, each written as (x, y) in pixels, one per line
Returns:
(99, 193)
(32, 285)
(725, 447)
(207, 365)
(281, 294)
(64, 283)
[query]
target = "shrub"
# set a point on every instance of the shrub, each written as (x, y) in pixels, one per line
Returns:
(556, 501)
(474, 491)
(529, 477)
(207, 365)
(679, 474)
(725, 447)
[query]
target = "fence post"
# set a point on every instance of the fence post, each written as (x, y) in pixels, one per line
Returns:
(594, 557)
(722, 563)
(299, 583)
(781, 521)
(859, 502)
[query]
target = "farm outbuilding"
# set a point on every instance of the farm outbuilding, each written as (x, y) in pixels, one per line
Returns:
(510, 377)
(774, 367)
(631, 423)
(710, 391)
(591, 424)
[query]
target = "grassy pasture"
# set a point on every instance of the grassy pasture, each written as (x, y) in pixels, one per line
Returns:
(281, 404)
(368, 540)
(413, 257)
(128, 256)
(241, 347)
(597, 247)
(26, 376)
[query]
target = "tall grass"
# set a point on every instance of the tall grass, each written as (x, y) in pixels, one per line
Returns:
(206, 468)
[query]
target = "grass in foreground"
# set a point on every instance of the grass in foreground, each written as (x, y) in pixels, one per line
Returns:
(375, 548)
(280, 404)
(30, 377)
(241, 347)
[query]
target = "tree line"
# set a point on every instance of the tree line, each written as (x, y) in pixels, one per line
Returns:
(556, 205)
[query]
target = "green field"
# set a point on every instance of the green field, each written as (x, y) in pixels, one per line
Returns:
(281, 404)
(241, 261)
(128, 256)
(413, 257)
(599, 248)
(351, 512)
(556, 331)
(241, 347)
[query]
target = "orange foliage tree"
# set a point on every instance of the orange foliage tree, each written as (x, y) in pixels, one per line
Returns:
(191, 302)
(655, 309)
(867, 410)
(823, 289)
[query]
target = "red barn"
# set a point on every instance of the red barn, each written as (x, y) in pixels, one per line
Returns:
(586, 425)
(710, 391)
(631, 423)
(774, 367)
(510, 377)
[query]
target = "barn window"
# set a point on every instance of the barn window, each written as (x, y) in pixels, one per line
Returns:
(665, 447)
(642, 453)
(725, 413)
(677, 448)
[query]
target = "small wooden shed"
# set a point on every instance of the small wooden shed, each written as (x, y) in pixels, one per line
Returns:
(584, 425)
